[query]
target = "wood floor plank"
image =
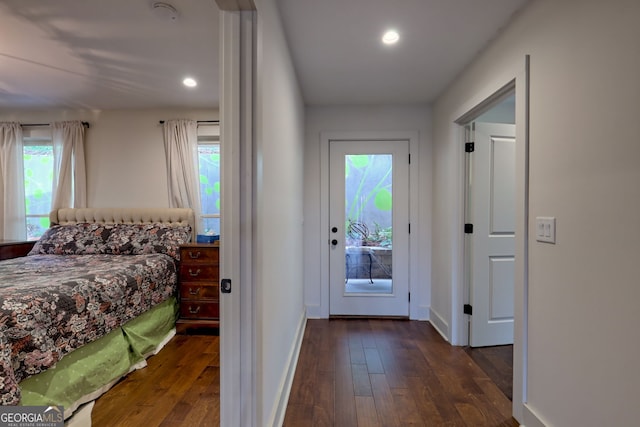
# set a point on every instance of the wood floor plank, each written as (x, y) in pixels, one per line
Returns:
(495, 396)
(357, 352)
(383, 399)
(366, 410)
(497, 363)
(406, 407)
(192, 408)
(372, 358)
(444, 398)
(304, 382)
(390, 360)
(425, 404)
(323, 408)
(298, 414)
(327, 349)
(345, 405)
(361, 382)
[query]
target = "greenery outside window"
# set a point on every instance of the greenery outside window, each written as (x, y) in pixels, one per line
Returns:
(368, 200)
(209, 171)
(38, 183)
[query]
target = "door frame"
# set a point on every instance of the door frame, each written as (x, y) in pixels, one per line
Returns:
(323, 241)
(238, 392)
(514, 77)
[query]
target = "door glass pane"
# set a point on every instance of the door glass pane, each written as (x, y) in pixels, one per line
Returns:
(368, 223)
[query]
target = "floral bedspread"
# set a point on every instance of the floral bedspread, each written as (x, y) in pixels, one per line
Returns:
(51, 305)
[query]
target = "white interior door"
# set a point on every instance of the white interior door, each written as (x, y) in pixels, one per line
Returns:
(491, 210)
(368, 236)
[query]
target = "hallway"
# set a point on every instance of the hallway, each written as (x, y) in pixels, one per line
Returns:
(389, 373)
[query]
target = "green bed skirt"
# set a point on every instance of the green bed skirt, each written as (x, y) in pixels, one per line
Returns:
(86, 373)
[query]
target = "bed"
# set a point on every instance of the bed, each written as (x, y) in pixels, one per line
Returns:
(93, 299)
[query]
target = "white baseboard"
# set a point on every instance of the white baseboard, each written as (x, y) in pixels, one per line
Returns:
(315, 312)
(280, 409)
(439, 324)
(423, 312)
(531, 419)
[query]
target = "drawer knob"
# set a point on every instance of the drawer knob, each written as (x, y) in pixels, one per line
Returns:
(192, 311)
(194, 255)
(193, 291)
(194, 273)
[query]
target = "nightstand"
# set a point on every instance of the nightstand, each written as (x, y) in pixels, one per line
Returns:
(15, 248)
(199, 287)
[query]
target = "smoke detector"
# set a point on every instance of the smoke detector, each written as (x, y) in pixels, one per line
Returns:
(165, 11)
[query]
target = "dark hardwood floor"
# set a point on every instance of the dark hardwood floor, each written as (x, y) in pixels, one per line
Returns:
(179, 387)
(350, 373)
(389, 373)
(497, 363)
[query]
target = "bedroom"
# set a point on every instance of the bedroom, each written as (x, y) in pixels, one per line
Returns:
(69, 47)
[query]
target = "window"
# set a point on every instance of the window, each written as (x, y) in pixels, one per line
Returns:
(209, 170)
(38, 184)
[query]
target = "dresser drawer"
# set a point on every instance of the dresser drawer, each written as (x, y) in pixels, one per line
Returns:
(199, 272)
(199, 309)
(191, 255)
(199, 288)
(198, 291)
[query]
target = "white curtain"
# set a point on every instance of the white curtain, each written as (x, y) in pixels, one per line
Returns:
(181, 148)
(12, 208)
(69, 175)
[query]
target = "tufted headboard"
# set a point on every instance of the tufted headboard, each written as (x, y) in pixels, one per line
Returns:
(175, 216)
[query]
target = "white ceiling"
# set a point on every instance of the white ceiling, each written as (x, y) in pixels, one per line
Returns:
(340, 60)
(103, 54)
(111, 54)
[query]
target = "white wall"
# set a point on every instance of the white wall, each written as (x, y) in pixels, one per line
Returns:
(124, 149)
(278, 272)
(368, 119)
(583, 291)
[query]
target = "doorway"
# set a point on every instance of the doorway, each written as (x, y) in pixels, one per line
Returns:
(489, 250)
(513, 79)
(368, 227)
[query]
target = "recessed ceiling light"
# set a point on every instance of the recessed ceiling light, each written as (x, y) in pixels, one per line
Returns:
(390, 37)
(189, 82)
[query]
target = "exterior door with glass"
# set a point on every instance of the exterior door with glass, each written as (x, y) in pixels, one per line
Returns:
(369, 228)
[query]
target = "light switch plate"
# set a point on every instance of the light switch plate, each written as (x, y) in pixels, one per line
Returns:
(546, 229)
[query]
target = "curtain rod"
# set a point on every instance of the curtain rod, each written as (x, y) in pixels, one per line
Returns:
(85, 124)
(199, 121)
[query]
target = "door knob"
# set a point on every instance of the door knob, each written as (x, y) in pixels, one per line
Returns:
(334, 242)
(334, 230)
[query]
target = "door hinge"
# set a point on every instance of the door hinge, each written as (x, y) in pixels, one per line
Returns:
(469, 147)
(409, 158)
(468, 228)
(409, 228)
(409, 296)
(467, 309)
